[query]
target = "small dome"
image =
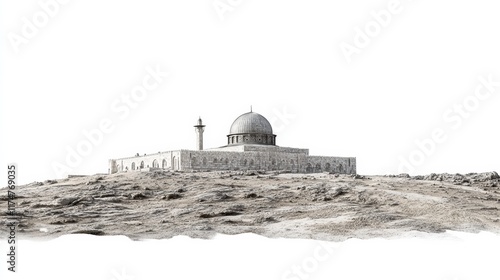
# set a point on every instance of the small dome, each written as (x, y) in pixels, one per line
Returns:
(251, 123)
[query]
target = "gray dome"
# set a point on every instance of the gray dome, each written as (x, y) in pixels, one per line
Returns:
(251, 123)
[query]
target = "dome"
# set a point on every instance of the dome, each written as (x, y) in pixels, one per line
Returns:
(251, 128)
(251, 123)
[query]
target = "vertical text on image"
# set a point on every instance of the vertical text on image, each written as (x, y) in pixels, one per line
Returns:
(12, 221)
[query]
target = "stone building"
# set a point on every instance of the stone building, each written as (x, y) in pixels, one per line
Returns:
(251, 145)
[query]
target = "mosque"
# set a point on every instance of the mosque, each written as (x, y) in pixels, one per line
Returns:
(251, 145)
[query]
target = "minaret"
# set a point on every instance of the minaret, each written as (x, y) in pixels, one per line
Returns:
(199, 128)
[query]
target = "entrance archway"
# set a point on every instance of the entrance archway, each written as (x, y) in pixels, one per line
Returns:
(175, 163)
(309, 168)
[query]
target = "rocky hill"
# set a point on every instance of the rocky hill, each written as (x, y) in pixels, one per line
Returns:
(162, 204)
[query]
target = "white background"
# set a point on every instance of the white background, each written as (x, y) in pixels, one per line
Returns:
(279, 56)
(282, 57)
(416, 256)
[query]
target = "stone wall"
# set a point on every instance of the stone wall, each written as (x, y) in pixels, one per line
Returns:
(227, 160)
(165, 160)
(342, 165)
(209, 160)
(293, 162)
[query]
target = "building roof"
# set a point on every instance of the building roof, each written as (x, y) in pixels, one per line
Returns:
(251, 123)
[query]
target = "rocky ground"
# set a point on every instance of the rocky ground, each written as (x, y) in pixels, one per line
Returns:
(162, 204)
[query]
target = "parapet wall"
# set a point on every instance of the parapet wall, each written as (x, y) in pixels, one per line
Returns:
(260, 148)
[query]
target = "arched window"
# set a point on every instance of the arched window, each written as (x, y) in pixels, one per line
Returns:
(317, 168)
(155, 164)
(164, 163)
(133, 166)
(328, 167)
(142, 164)
(309, 168)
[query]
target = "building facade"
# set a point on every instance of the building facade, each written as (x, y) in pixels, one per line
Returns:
(251, 145)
